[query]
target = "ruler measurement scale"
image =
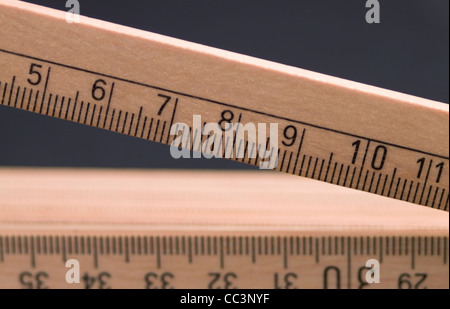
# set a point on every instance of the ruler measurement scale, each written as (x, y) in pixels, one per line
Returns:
(141, 124)
(322, 262)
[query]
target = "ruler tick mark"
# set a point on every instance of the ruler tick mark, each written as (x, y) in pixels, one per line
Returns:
(93, 113)
(32, 256)
(108, 105)
(4, 92)
(124, 122)
(334, 172)
(23, 97)
(75, 104)
(403, 189)
(11, 90)
(392, 182)
(17, 96)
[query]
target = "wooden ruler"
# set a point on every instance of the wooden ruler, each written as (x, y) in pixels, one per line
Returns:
(251, 261)
(188, 229)
(140, 84)
(163, 230)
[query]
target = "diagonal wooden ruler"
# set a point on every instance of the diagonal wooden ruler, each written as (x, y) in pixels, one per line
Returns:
(140, 84)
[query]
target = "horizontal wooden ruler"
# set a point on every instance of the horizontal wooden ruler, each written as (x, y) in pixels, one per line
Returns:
(250, 261)
(140, 84)
(192, 229)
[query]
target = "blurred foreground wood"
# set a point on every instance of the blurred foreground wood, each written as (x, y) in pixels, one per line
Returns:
(54, 199)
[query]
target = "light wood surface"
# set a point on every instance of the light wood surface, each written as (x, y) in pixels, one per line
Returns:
(167, 200)
(128, 224)
(118, 78)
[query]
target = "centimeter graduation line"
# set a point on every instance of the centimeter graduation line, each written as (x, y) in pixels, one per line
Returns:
(221, 247)
(384, 184)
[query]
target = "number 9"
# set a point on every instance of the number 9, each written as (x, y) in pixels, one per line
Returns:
(289, 133)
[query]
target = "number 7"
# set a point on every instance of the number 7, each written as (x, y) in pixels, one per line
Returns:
(167, 99)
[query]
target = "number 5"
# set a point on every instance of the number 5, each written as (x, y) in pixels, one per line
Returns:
(34, 71)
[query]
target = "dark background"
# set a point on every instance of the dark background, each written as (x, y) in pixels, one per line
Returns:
(407, 52)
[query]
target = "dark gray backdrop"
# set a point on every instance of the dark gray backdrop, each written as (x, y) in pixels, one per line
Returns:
(408, 52)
